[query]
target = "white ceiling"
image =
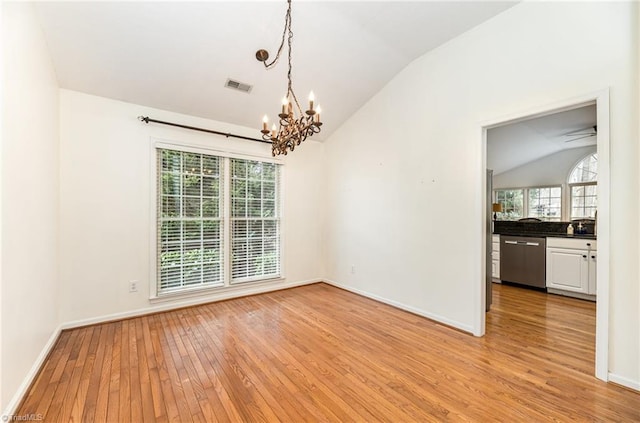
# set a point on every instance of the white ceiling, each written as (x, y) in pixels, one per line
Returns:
(177, 55)
(516, 144)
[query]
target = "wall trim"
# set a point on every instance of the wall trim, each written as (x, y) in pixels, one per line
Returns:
(431, 316)
(33, 373)
(623, 381)
(226, 294)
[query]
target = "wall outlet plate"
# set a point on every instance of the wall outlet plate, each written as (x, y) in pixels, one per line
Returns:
(133, 286)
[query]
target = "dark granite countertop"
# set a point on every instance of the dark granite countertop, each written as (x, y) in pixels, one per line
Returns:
(543, 229)
(549, 235)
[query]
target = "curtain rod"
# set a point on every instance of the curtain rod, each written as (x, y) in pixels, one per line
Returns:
(147, 119)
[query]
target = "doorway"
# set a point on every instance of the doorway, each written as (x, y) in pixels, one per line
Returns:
(601, 101)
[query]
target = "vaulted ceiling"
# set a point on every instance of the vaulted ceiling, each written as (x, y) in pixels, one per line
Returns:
(177, 56)
(519, 143)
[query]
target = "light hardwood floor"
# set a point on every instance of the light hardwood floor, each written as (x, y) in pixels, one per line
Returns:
(318, 353)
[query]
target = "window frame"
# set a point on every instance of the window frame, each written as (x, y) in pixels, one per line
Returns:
(581, 184)
(182, 196)
(525, 200)
(528, 199)
(277, 218)
(225, 218)
(571, 185)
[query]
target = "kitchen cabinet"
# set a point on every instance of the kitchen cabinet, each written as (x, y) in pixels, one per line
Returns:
(495, 258)
(571, 267)
(593, 262)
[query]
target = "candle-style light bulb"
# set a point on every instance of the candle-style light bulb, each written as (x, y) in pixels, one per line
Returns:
(311, 99)
(318, 110)
(285, 103)
(265, 120)
(274, 131)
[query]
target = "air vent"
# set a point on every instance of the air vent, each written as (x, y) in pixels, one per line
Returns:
(236, 85)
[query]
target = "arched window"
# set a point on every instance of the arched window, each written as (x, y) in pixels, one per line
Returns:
(584, 187)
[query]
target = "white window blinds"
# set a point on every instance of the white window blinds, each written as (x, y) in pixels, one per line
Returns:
(255, 220)
(190, 227)
(201, 198)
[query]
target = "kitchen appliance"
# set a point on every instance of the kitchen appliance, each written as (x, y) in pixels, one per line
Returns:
(523, 260)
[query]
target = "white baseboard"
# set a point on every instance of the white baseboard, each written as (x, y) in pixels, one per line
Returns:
(12, 407)
(220, 295)
(626, 382)
(411, 309)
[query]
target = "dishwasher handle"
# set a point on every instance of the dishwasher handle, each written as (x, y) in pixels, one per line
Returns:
(531, 244)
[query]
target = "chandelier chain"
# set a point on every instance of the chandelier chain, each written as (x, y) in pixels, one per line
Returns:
(287, 25)
(289, 73)
(292, 129)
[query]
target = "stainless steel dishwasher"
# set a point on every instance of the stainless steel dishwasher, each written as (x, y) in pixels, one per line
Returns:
(523, 260)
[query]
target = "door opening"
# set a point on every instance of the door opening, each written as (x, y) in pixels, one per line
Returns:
(545, 116)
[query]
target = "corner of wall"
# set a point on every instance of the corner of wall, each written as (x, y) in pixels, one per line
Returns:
(29, 199)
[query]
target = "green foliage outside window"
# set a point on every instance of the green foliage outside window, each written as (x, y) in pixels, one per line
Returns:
(191, 224)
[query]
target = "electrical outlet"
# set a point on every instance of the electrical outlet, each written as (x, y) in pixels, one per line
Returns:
(353, 269)
(133, 286)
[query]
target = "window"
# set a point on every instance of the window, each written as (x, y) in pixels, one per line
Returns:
(189, 223)
(586, 170)
(584, 201)
(255, 228)
(512, 201)
(583, 187)
(192, 222)
(545, 203)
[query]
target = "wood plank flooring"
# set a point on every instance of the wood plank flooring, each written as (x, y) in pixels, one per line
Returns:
(318, 353)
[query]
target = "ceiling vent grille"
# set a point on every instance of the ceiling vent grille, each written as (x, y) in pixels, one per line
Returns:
(240, 86)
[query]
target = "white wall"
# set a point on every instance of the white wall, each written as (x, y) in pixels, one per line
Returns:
(106, 170)
(29, 272)
(549, 170)
(405, 173)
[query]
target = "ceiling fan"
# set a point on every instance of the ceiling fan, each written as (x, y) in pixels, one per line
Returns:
(580, 134)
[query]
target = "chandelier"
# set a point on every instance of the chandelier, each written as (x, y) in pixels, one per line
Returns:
(294, 125)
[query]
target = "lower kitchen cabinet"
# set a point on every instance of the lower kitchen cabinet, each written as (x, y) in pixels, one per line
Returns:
(571, 266)
(495, 258)
(593, 263)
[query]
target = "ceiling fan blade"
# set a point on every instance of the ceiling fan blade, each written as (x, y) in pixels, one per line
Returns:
(582, 137)
(577, 134)
(591, 131)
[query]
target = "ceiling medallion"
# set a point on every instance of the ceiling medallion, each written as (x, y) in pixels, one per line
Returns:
(294, 125)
